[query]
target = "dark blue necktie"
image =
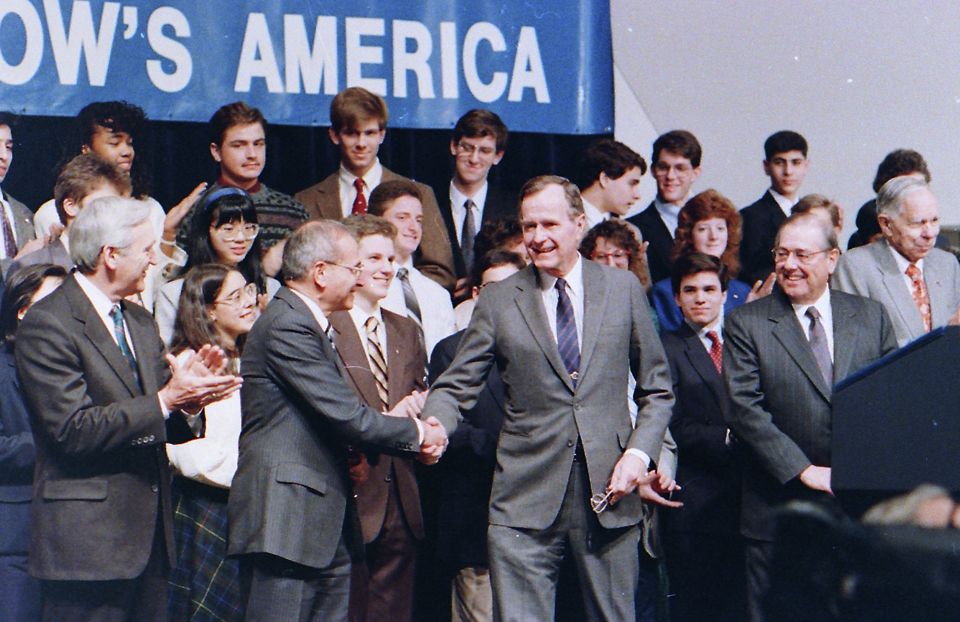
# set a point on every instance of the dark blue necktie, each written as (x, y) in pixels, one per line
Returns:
(567, 341)
(116, 314)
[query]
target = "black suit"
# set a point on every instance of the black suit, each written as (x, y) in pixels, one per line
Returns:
(102, 479)
(660, 240)
(499, 204)
(702, 540)
(761, 221)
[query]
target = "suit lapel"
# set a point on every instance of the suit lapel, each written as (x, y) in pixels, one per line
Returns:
(844, 332)
(700, 360)
(143, 349)
(352, 352)
(396, 368)
(897, 289)
(530, 302)
(594, 310)
(788, 332)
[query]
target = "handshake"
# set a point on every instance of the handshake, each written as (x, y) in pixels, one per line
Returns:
(434, 435)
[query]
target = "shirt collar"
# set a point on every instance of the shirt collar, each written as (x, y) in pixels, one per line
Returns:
(100, 301)
(668, 209)
(784, 203)
(360, 317)
(574, 278)
(370, 180)
(457, 198)
(253, 189)
(314, 309)
(903, 262)
(408, 265)
(822, 305)
(594, 215)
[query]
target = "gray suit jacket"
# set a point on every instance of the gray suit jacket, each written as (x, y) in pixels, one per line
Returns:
(101, 464)
(291, 496)
(545, 413)
(780, 402)
(22, 227)
(872, 272)
(435, 256)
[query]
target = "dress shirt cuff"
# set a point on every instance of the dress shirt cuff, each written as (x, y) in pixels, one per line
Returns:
(636, 452)
(420, 432)
(163, 409)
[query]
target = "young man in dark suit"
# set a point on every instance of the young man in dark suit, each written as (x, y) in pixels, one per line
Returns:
(786, 165)
(358, 125)
(478, 143)
(609, 180)
(385, 363)
(676, 165)
(782, 356)
(702, 542)
(99, 394)
(16, 226)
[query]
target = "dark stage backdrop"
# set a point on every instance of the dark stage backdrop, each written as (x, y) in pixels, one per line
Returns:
(178, 155)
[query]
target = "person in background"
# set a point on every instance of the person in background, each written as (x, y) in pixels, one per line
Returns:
(499, 234)
(217, 306)
(16, 220)
(709, 223)
(19, 592)
(225, 230)
(615, 244)
(609, 180)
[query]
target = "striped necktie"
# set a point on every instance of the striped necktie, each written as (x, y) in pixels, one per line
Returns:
(378, 364)
(413, 306)
(567, 341)
(818, 343)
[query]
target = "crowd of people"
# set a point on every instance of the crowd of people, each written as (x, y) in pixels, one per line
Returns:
(380, 401)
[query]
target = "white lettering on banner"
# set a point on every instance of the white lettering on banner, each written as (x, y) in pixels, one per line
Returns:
(483, 91)
(300, 60)
(257, 59)
(96, 48)
(416, 61)
(448, 60)
(169, 49)
(528, 69)
(22, 72)
(129, 21)
(359, 55)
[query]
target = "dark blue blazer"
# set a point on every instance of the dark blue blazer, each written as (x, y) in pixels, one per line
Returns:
(499, 205)
(17, 457)
(660, 240)
(761, 220)
(668, 313)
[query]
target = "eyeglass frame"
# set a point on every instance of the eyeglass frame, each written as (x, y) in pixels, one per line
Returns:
(234, 300)
(219, 231)
(357, 270)
(805, 258)
(600, 502)
(604, 256)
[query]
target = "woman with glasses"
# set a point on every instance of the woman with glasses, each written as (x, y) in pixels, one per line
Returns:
(709, 223)
(223, 230)
(617, 244)
(217, 306)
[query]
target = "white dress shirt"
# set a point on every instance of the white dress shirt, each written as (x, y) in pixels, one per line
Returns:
(902, 264)
(436, 310)
(348, 193)
(784, 203)
(459, 210)
(360, 317)
(822, 305)
(669, 214)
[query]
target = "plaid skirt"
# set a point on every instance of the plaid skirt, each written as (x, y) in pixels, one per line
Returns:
(205, 585)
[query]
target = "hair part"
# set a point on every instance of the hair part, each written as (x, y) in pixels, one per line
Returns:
(704, 206)
(313, 242)
(9, 119)
(826, 230)
(385, 195)
(193, 326)
(356, 105)
(695, 263)
(899, 163)
(609, 157)
(497, 233)
(479, 123)
(232, 115)
(494, 259)
(19, 290)
(539, 184)
(679, 142)
(107, 221)
(84, 175)
(782, 142)
(813, 202)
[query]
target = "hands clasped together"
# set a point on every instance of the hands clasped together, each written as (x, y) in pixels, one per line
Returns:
(198, 379)
(434, 435)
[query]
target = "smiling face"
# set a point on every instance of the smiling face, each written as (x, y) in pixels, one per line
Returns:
(242, 154)
(701, 298)
(674, 174)
(406, 214)
(359, 145)
(550, 232)
(234, 310)
(231, 242)
(710, 236)
(377, 255)
(804, 281)
(6, 150)
(130, 264)
(474, 159)
(112, 146)
(607, 252)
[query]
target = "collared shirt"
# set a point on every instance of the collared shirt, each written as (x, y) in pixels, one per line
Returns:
(8, 210)
(436, 310)
(593, 214)
(315, 310)
(348, 193)
(103, 306)
(902, 264)
(784, 203)
(822, 305)
(459, 210)
(548, 291)
(715, 326)
(669, 213)
(360, 317)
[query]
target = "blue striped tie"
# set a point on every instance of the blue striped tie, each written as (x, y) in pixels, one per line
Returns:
(567, 341)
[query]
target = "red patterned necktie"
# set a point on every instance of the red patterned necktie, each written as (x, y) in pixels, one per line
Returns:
(716, 350)
(920, 298)
(359, 203)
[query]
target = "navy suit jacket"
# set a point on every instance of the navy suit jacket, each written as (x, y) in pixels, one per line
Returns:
(660, 240)
(499, 204)
(761, 220)
(17, 457)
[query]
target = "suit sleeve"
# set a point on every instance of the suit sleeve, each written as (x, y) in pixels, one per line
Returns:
(301, 360)
(845, 278)
(52, 373)
(17, 450)
(778, 453)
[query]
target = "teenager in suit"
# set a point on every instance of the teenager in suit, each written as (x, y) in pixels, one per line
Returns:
(358, 125)
(564, 414)
(385, 363)
(786, 165)
(781, 358)
(609, 180)
(293, 518)
(99, 394)
(17, 227)
(704, 550)
(19, 592)
(909, 219)
(479, 139)
(676, 165)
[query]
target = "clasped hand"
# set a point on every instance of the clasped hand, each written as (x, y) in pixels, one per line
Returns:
(631, 474)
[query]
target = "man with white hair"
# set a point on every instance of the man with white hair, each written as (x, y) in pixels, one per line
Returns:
(918, 284)
(99, 394)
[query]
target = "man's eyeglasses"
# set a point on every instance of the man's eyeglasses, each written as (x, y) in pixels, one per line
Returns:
(600, 502)
(357, 270)
(618, 255)
(230, 231)
(780, 254)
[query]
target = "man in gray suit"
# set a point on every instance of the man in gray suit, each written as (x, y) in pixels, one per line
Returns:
(782, 355)
(99, 392)
(293, 518)
(567, 434)
(16, 221)
(919, 285)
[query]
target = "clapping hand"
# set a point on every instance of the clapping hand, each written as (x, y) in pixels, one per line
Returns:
(198, 379)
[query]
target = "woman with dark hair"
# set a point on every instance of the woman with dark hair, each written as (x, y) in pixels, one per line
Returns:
(617, 244)
(709, 223)
(217, 306)
(223, 230)
(19, 592)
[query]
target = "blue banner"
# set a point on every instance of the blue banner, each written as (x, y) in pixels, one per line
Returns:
(542, 65)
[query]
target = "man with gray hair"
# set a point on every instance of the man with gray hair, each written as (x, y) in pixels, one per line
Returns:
(293, 517)
(99, 394)
(918, 284)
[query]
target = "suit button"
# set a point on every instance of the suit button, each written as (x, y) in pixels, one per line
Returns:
(152, 438)
(154, 488)
(569, 443)
(387, 478)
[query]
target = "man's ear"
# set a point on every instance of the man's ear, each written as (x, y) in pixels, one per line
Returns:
(71, 208)
(215, 152)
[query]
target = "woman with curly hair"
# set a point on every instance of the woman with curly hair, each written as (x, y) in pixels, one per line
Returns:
(617, 244)
(709, 223)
